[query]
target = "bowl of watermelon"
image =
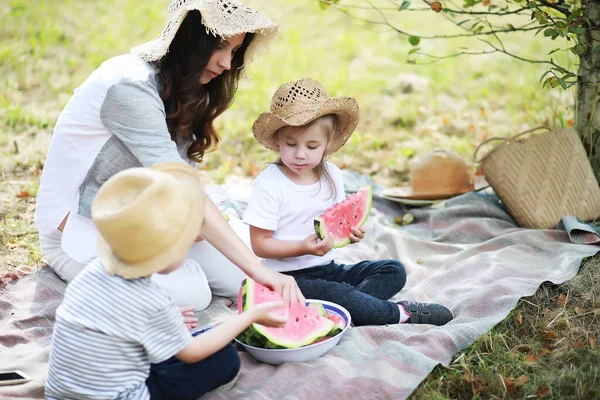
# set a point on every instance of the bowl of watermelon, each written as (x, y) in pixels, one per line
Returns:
(312, 329)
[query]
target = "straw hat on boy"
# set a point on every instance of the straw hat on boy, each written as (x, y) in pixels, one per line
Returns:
(299, 102)
(222, 18)
(148, 218)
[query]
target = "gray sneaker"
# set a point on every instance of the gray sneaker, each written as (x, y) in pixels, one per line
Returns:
(426, 313)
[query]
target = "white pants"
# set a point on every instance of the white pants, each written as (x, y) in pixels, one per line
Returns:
(205, 272)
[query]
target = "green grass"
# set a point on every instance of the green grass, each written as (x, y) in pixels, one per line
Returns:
(48, 48)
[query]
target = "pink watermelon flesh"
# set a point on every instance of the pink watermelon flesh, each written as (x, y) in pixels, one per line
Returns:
(304, 326)
(340, 218)
(338, 324)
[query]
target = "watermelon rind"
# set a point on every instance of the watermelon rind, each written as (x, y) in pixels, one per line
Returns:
(319, 307)
(260, 336)
(321, 231)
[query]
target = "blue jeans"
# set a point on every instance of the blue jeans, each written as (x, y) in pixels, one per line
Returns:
(173, 379)
(363, 288)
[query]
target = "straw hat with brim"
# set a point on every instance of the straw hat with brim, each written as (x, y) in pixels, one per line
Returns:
(223, 18)
(301, 102)
(439, 174)
(148, 218)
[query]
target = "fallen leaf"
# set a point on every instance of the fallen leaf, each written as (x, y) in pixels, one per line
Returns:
(578, 310)
(486, 3)
(467, 377)
(543, 391)
(419, 261)
(523, 379)
(593, 343)
(548, 335)
(510, 387)
(23, 195)
(579, 344)
(562, 300)
(545, 351)
(571, 122)
(478, 387)
(436, 6)
(530, 358)
(520, 319)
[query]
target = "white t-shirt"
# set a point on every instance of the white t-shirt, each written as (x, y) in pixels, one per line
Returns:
(108, 331)
(288, 209)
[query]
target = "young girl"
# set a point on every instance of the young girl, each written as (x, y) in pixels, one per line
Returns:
(118, 335)
(304, 125)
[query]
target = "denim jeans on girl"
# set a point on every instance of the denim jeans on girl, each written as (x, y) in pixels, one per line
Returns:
(363, 288)
(173, 379)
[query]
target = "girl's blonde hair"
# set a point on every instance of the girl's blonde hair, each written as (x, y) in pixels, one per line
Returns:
(329, 123)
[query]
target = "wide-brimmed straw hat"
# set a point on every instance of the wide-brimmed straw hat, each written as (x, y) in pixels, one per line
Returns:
(148, 218)
(223, 18)
(300, 102)
(438, 174)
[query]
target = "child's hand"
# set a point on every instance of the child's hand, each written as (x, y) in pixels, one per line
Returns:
(189, 318)
(317, 247)
(264, 314)
(357, 234)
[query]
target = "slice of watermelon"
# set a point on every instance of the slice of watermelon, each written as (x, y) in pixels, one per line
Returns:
(304, 326)
(340, 218)
(338, 324)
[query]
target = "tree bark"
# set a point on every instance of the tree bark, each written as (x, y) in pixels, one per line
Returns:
(588, 90)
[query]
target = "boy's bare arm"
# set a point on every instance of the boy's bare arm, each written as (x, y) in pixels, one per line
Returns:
(208, 343)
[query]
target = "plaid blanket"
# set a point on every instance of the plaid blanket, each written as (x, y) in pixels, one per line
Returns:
(467, 254)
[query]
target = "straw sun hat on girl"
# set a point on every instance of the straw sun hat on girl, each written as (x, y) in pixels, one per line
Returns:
(222, 18)
(299, 102)
(148, 218)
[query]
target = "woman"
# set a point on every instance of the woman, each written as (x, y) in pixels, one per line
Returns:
(157, 104)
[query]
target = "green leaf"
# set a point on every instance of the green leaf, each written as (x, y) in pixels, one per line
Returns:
(554, 51)
(405, 4)
(578, 30)
(323, 5)
(545, 73)
(414, 40)
(560, 69)
(551, 32)
(462, 22)
(562, 83)
(579, 49)
(412, 51)
(597, 50)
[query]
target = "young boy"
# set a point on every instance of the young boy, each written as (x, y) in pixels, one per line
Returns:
(120, 336)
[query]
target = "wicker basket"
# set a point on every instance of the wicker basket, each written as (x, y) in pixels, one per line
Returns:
(543, 177)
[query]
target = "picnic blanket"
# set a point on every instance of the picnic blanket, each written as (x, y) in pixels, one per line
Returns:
(466, 253)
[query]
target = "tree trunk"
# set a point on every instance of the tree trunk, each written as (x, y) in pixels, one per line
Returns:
(588, 108)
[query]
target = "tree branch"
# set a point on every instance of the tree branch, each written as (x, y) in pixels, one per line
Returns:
(462, 53)
(447, 10)
(523, 28)
(519, 57)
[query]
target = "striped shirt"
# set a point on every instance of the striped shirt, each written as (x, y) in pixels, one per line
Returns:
(108, 331)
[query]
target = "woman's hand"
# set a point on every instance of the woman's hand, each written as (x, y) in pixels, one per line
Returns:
(189, 318)
(357, 234)
(285, 285)
(317, 247)
(265, 314)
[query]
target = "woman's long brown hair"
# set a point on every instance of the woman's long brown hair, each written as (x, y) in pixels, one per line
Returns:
(191, 108)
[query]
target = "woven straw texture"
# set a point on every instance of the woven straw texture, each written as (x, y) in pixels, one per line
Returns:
(223, 18)
(299, 102)
(544, 177)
